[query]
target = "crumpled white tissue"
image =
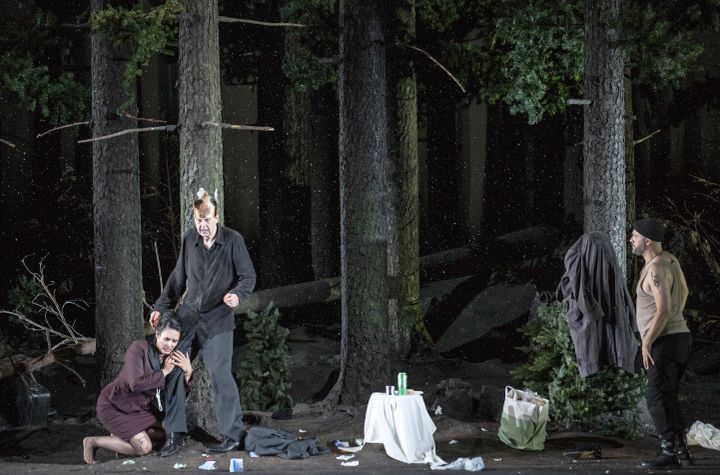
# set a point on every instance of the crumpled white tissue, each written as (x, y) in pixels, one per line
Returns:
(474, 464)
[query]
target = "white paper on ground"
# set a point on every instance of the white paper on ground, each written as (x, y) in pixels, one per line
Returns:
(129, 462)
(438, 410)
(351, 449)
(209, 465)
(345, 457)
(474, 464)
(354, 463)
(180, 465)
(453, 442)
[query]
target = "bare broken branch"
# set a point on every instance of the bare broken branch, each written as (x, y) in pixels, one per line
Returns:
(168, 128)
(142, 119)
(11, 145)
(48, 305)
(579, 102)
(62, 127)
(239, 127)
(80, 378)
(157, 260)
(225, 19)
(646, 137)
(462, 88)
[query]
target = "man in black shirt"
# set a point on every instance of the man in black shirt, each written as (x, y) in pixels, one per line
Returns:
(214, 272)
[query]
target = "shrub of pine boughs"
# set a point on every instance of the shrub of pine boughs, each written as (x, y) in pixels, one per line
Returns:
(606, 402)
(264, 376)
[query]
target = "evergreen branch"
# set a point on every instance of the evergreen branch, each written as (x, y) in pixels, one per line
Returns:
(225, 19)
(62, 127)
(168, 128)
(223, 125)
(462, 88)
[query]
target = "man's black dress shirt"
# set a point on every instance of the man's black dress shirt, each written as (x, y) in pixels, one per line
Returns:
(207, 275)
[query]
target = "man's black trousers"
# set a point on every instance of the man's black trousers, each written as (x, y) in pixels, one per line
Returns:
(671, 354)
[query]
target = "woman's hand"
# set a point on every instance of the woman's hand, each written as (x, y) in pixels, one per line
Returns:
(182, 360)
(168, 365)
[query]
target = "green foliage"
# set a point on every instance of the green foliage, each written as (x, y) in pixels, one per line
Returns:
(529, 54)
(264, 372)
(306, 58)
(58, 98)
(662, 40)
(148, 32)
(605, 402)
(31, 40)
(543, 60)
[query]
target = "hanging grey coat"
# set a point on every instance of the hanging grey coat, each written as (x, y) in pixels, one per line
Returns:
(600, 310)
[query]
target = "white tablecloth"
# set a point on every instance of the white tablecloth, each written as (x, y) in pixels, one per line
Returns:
(403, 426)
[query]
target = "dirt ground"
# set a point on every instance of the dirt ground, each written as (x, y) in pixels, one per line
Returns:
(57, 447)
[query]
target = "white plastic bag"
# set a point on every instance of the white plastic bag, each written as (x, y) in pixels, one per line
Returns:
(705, 435)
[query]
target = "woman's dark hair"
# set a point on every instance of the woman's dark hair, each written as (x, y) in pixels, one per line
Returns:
(168, 320)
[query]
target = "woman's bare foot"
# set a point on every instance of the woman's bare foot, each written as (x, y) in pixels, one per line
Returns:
(89, 450)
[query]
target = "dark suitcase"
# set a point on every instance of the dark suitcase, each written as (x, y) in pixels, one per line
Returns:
(32, 402)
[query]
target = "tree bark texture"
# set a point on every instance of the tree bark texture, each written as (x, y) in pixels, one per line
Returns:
(403, 256)
(629, 171)
(116, 210)
(201, 150)
(324, 194)
(365, 199)
(604, 130)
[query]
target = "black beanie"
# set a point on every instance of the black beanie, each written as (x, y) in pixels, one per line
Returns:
(650, 228)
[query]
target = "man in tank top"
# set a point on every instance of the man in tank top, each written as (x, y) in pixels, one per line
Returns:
(661, 295)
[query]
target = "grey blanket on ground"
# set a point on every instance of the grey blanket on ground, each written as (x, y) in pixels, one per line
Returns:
(266, 441)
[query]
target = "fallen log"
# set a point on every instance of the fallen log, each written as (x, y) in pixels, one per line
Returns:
(442, 266)
(318, 291)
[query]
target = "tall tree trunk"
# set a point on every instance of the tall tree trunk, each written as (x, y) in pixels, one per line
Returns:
(364, 198)
(604, 130)
(629, 170)
(324, 197)
(201, 151)
(403, 255)
(116, 210)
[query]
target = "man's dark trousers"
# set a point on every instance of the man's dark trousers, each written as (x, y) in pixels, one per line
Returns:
(216, 353)
(671, 354)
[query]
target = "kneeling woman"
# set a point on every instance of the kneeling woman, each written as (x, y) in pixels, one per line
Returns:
(123, 405)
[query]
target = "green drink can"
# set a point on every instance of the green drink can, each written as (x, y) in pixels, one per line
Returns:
(402, 384)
